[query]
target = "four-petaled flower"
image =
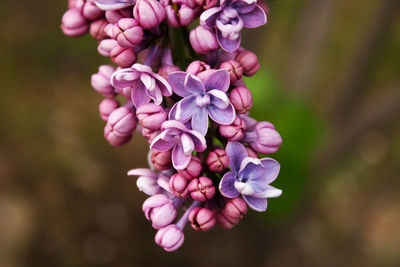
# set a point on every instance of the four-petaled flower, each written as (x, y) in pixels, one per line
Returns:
(183, 141)
(230, 18)
(249, 177)
(202, 99)
(146, 84)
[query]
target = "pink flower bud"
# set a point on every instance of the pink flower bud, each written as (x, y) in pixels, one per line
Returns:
(75, 3)
(178, 185)
(101, 81)
(197, 66)
(105, 47)
(120, 125)
(161, 160)
(160, 210)
(248, 60)
(241, 99)
(149, 13)
(233, 132)
(178, 14)
(91, 12)
(150, 134)
(236, 208)
(251, 153)
(97, 29)
(167, 69)
(106, 107)
(170, 237)
(263, 138)
(151, 116)
(234, 69)
(224, 220)
(123, 57)
(217, 160)
(206, 4)
(201, 189)
(202, 219)
(127, 32)
(73, 23)
(113, 16)
(192, 170)
(203, 40)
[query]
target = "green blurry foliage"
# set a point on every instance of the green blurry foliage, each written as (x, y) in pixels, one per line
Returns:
(300, 129)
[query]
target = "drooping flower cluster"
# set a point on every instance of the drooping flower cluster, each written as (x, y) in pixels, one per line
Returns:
(184, 91)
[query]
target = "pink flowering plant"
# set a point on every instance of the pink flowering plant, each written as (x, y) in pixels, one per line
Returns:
(181, 87)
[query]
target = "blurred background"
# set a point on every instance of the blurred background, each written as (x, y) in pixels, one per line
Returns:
(330, 82)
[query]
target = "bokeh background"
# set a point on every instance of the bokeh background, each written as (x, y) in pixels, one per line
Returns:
(330, 82)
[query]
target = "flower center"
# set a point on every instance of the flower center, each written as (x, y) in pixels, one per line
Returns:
(203, 100)
(243, 188)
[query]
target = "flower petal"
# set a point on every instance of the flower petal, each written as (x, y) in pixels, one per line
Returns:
(218, 80)
(200, 120)
(199, 141)
(142, 172)
(209, 16)
(257, 204)
(255, 18)
(222, 116)
(124, 77)
(159, 143)
(113, 4)
(183, 110)
(228, 44)
(194, 85)
(273, 168)
(162, 84)
(227, 185)
(271, 192)
(236, 153)
(180, 160)
(177, 81)
(219, 99)
(138, 94)
(187, 144)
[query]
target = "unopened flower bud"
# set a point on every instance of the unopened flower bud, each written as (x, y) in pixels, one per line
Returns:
(101, 81)
(236, 208)
(178, 15)
(241, 99)
(263, 138)
(234, 69)
(106, 107)
(90, 11)
(105, 47)
(251, 153)
(192, 170)
(161, 160)
(150, 134)
(73, 23)
(123, 57)
(197, 66)
(203, 40)
(149, 13)
(206, 4)
(233, 132)
(217, 160)
(113, 16)
(248, 60)
(160, 210)
(170, 237)
(97, 29)
(120, 125)
(151, 116)
(167, 69)
(201, 189)
(178, 185)
(127, 32)
(202, 219)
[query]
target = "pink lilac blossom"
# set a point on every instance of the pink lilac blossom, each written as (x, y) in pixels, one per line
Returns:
(203, 142)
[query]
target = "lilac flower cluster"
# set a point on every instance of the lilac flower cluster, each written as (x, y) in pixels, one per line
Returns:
(183, 90)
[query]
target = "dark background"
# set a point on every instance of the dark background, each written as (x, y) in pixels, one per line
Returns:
(329, 82)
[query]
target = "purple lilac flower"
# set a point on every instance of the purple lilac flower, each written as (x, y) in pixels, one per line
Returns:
(249, 177)
(150, 182)
(201, 100)
(181, 140)
(230, 18)
(113, 4)
(146, 85)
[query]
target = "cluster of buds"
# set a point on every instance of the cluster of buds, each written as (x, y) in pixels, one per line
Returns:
(184, 90)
